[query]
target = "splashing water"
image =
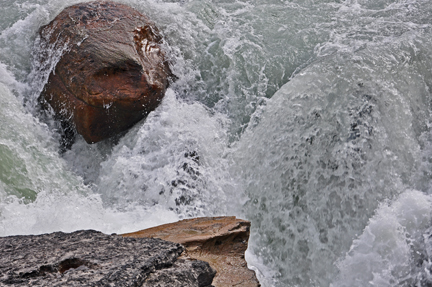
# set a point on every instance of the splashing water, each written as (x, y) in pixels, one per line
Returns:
(309, 118)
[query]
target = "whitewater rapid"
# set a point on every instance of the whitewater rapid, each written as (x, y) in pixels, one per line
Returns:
(311, 119)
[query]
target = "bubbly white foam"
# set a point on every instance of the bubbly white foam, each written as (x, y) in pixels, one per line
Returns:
(322, 161)
(73, 211)
(385, 253)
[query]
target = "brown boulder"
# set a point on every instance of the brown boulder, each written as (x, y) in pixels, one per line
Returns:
(112, 71)
(220, 241)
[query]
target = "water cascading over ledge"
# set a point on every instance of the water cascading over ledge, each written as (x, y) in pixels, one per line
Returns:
(336, 97)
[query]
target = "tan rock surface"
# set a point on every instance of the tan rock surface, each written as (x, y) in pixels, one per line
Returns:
(221, 241)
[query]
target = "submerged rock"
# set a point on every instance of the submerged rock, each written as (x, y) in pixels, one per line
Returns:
(221, 241)
(111, 70)
(91, 258)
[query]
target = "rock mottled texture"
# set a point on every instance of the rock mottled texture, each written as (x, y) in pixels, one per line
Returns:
(91, 258)
(111, 69)
(220, 241)
(182, 273)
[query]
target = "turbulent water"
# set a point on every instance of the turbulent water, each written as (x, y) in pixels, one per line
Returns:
(310, 118)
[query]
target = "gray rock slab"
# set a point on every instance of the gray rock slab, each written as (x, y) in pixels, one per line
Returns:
(91, 258)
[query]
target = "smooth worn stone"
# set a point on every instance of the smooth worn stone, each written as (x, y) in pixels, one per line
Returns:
(91, 258)
(111, 70)
(220, 241)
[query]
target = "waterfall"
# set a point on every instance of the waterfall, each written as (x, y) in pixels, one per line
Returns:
(311, 119)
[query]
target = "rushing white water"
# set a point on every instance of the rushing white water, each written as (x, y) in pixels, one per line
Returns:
(311, 119)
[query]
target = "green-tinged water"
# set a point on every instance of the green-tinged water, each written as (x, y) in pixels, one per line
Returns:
(311, 119)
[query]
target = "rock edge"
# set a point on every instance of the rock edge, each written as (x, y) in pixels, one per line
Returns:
(220, 241)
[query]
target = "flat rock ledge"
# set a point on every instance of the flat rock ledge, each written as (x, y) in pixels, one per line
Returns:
(91, 258)
(220, 241)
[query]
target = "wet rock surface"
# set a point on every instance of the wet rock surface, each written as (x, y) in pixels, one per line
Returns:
(91, 258)
(220, 241)
(110, 71)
